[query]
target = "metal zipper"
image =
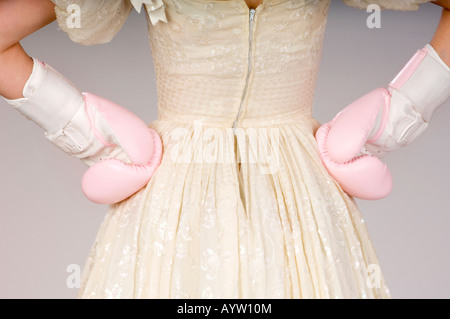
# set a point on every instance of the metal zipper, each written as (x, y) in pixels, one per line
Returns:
(250, 38)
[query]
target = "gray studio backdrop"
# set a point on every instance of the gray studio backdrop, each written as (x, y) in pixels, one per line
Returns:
(46, 223)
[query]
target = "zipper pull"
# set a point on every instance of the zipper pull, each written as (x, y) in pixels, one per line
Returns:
(252, 14)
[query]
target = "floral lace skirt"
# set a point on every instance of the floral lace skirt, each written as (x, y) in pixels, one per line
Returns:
(211, 227)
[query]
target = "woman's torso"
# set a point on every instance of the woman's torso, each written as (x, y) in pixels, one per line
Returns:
(223, 63)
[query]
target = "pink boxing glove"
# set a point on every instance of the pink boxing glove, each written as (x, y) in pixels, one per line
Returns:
(112, 180)
(341, 140)
(382, 121)
(121, 150)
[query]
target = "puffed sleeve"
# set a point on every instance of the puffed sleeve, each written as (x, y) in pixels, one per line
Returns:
(405, 5)
(91, 22)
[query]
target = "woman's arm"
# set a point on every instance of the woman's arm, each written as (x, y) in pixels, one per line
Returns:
(441, 39)
(18, 19)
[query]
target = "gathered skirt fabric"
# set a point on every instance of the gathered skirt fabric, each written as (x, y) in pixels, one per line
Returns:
(215, 228)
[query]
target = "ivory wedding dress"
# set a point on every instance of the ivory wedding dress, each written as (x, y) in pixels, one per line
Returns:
(233, 84)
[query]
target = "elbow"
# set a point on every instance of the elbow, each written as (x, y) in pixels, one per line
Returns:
(5, 46)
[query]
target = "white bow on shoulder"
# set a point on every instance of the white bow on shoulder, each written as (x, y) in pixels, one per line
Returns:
(155, 9)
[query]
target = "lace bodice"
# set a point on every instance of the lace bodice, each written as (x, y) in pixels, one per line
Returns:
(221, 61)
(213, 62)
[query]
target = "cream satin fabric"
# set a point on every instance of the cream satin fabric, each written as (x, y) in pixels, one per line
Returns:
(207, 227)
